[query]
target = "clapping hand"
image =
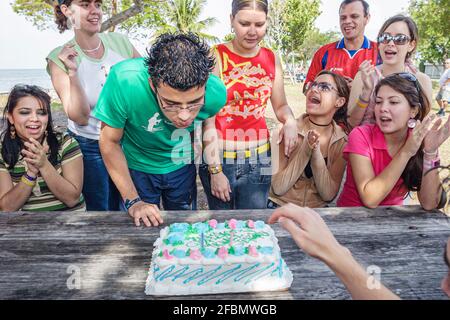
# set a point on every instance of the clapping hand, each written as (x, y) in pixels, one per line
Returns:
(35, 154)
(312, 137)
(415, 139)
(436, 136)
(367, 69)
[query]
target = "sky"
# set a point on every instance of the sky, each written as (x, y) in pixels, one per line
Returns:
(22, 46)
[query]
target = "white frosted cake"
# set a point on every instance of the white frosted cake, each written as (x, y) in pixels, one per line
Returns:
(211, 257)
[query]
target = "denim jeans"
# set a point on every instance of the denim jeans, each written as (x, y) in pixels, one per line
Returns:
(249, 179)
(177, 190)
(99, 190)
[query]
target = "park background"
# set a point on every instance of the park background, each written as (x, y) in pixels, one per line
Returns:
(297, 28)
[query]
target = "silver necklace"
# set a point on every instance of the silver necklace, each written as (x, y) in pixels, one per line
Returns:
(93, 50)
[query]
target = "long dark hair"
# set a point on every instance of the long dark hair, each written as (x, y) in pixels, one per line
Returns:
(414, 94)
(11, 147)
(340, 117)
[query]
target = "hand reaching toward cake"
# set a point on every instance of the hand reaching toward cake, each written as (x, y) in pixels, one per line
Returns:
(147, 212)
(308, 230)
(311, 234)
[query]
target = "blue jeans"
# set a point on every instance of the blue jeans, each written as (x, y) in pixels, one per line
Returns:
(99, 190)
(249, 179)
(178, 189)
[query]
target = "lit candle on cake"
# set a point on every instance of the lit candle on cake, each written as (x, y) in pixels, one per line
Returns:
(202, 240)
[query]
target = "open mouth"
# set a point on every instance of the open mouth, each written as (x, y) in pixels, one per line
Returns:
(34, 129)
(314, 99)
(349, 29)
(390, 54)
(385, 120)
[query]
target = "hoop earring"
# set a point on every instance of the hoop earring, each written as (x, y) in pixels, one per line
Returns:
(412, 123)
(12, 132)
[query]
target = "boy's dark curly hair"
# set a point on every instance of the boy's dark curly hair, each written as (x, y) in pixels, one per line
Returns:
(179, 60)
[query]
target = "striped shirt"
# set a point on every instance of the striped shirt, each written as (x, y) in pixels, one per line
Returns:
(41, 198)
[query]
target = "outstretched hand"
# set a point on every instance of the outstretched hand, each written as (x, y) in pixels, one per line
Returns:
(308, 230)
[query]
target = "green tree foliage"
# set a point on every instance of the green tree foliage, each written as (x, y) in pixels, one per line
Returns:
(228, 37)
(314, 39)
(290, 22)
(184, 16)
(128, 14)
(433, 20)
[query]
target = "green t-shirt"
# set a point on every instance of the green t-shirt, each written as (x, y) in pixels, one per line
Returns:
(151, 143)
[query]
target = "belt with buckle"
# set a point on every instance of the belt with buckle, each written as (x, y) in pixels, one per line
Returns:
(246, 153)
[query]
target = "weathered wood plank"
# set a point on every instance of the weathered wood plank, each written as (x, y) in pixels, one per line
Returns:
(113, 256)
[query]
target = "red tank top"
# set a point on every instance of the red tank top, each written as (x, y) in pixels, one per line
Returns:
(249, 84)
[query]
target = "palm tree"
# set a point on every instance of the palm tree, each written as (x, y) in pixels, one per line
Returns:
(184, 15)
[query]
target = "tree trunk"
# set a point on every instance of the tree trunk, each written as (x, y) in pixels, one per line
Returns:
(121, 17)
(113, 13)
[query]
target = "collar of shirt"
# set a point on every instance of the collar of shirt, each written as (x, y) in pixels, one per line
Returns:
(365, 45)
(378, 139)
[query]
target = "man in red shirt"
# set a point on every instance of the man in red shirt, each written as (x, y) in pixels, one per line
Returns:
(344, 57)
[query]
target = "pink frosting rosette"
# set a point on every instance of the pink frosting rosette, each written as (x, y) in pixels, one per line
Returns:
(213, 223)
(252, 251)
(222, 253)
(167, 255)
(232, 224)
(251, 224)
(195, 254)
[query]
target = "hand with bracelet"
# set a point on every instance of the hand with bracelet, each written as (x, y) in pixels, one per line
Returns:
(220, 186)
(147, 212)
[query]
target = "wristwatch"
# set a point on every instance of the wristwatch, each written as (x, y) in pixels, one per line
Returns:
(129, 203)
(215, 169)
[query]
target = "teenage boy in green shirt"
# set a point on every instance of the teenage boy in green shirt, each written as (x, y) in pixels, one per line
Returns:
(149, 108)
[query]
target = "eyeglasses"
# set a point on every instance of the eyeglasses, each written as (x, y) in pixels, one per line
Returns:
(399, 39)
(321, 86)
(175, 108)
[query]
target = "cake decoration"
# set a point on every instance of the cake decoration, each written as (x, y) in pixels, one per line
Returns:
(212, 257)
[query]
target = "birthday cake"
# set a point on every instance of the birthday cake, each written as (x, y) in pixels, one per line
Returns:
(211, 257)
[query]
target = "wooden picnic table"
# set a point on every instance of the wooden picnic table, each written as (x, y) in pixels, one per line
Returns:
(40, 253)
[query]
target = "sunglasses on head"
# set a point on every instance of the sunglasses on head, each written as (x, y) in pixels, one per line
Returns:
(399, 39)
(412, 78)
